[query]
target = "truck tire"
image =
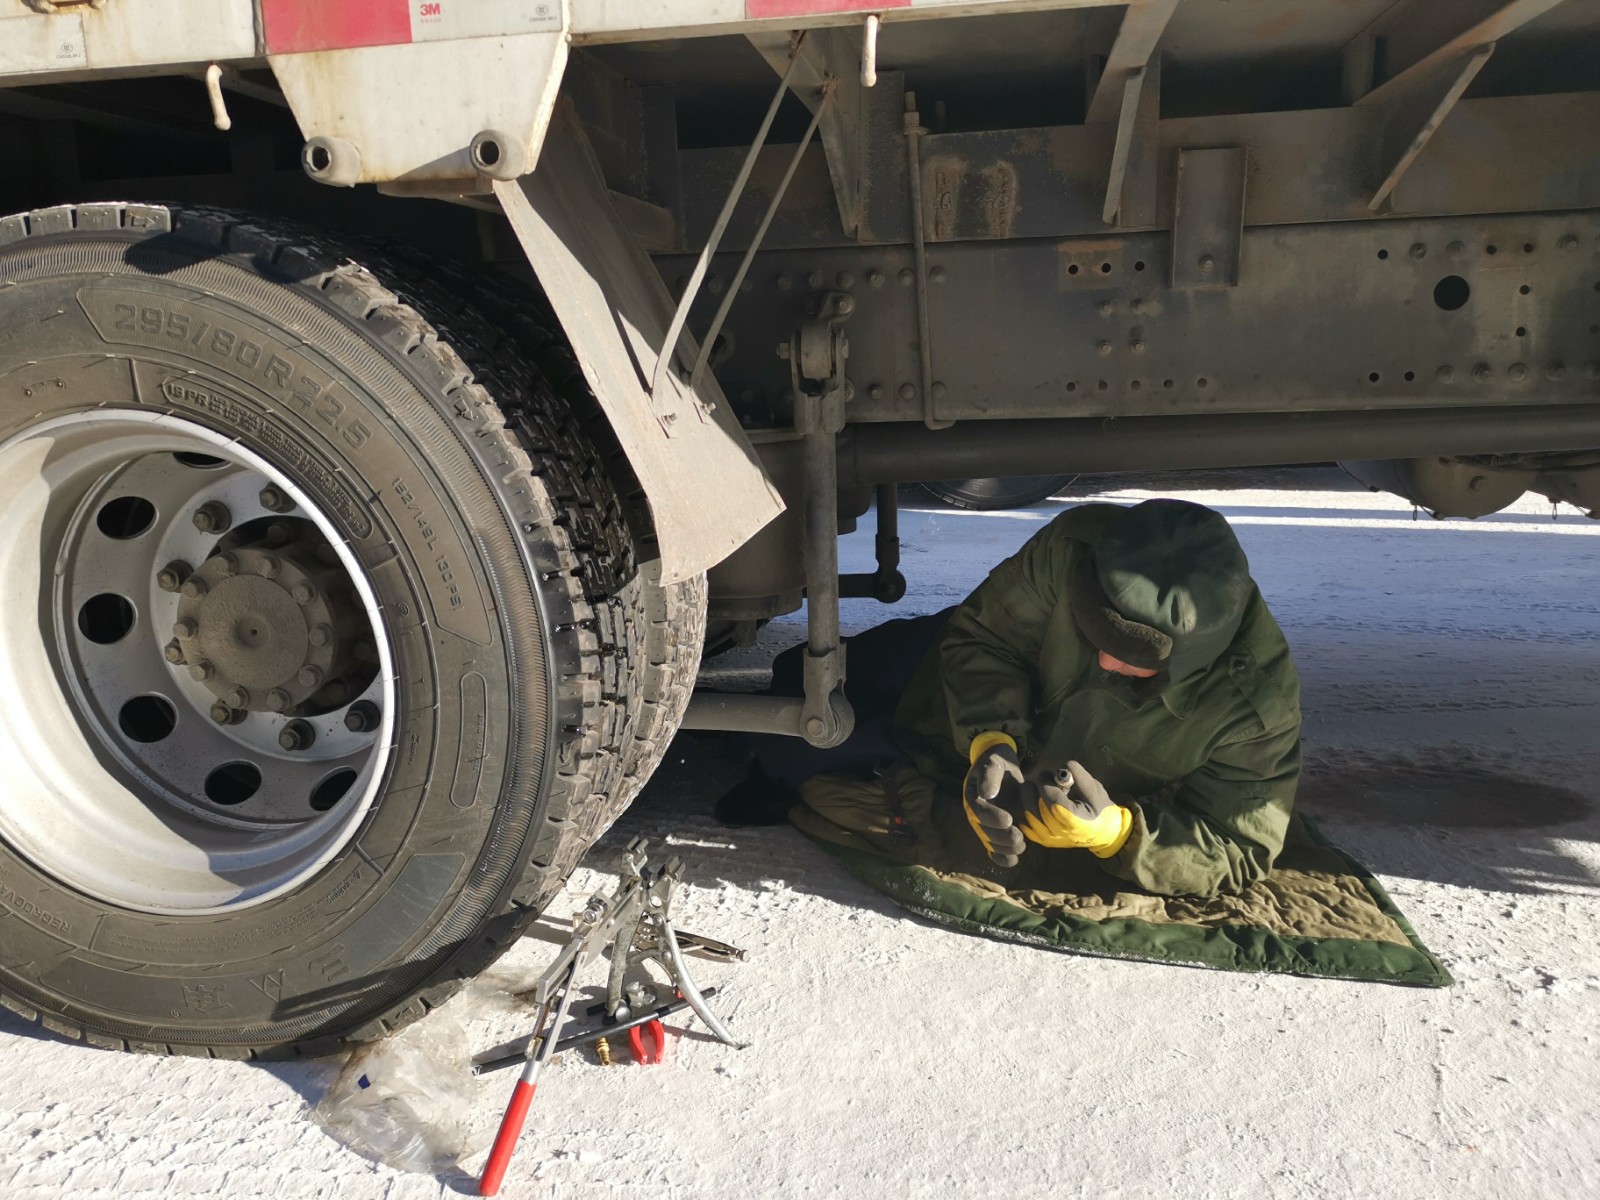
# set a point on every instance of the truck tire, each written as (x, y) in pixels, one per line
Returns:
(329, 624)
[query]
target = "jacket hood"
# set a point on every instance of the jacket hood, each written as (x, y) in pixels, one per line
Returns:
(1165, 587)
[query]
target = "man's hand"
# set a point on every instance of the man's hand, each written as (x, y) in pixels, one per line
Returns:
(994, 783)
(1076, 813)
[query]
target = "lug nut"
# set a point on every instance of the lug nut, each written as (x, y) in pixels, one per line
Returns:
(170, 578)
(185, 629)
(361, 717)
(303, 593)
(320, 635)
(296, 735)
(280, 533)
(173, 653)
(223, 715)
(309, 677)
(268, 567)
(277, 700)
(227, 564)
(200, 670)
(194, 587)
(275, 499)
(238, 698)
(213, 517)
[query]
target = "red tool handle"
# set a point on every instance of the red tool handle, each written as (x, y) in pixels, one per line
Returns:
(643, 1055)
(494, 1171)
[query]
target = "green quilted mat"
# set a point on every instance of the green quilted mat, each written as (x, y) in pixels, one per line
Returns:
(1319, 913)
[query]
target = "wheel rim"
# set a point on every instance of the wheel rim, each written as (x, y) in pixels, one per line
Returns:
(208, 715)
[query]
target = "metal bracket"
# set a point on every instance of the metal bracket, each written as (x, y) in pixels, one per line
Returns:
(831, 58)
(1119, 155)
(915, 131)
(1437, 105)
(1208, 218)
(817, 352)
(1137, 37)
(1420, 37)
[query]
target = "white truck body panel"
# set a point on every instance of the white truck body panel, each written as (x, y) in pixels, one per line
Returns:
(122, 35)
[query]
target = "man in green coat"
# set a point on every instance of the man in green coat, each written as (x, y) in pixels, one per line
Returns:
(1117, 687)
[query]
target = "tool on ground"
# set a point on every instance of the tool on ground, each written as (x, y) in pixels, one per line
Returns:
(635, 921)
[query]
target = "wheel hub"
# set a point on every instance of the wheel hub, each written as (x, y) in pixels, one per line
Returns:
(270, 626)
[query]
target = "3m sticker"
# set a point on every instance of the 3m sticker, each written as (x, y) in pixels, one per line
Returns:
(441, 20)
(297, 26)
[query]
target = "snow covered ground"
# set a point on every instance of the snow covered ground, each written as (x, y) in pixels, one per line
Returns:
(1452, 695)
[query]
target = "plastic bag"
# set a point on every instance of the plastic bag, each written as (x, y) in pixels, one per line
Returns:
(406, 1101)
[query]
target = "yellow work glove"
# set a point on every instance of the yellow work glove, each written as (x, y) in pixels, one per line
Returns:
(993, 784)
(1076, 813)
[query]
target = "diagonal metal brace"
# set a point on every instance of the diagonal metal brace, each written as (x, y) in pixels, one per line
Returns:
(669, 347)
(710, 340)
(1455, 84)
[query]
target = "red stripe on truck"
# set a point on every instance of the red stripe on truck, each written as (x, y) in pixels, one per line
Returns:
(293, 26)
(804, 8)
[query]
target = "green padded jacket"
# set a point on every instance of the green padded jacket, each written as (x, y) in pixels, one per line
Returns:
(1208, 767)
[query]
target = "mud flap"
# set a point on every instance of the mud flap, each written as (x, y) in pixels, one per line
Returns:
(706, 488)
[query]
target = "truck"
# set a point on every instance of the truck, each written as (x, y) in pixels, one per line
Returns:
(397, 398)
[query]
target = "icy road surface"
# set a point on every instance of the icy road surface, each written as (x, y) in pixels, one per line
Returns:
(1452, 699)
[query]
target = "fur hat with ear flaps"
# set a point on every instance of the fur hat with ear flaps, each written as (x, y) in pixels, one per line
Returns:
(1164, 588)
